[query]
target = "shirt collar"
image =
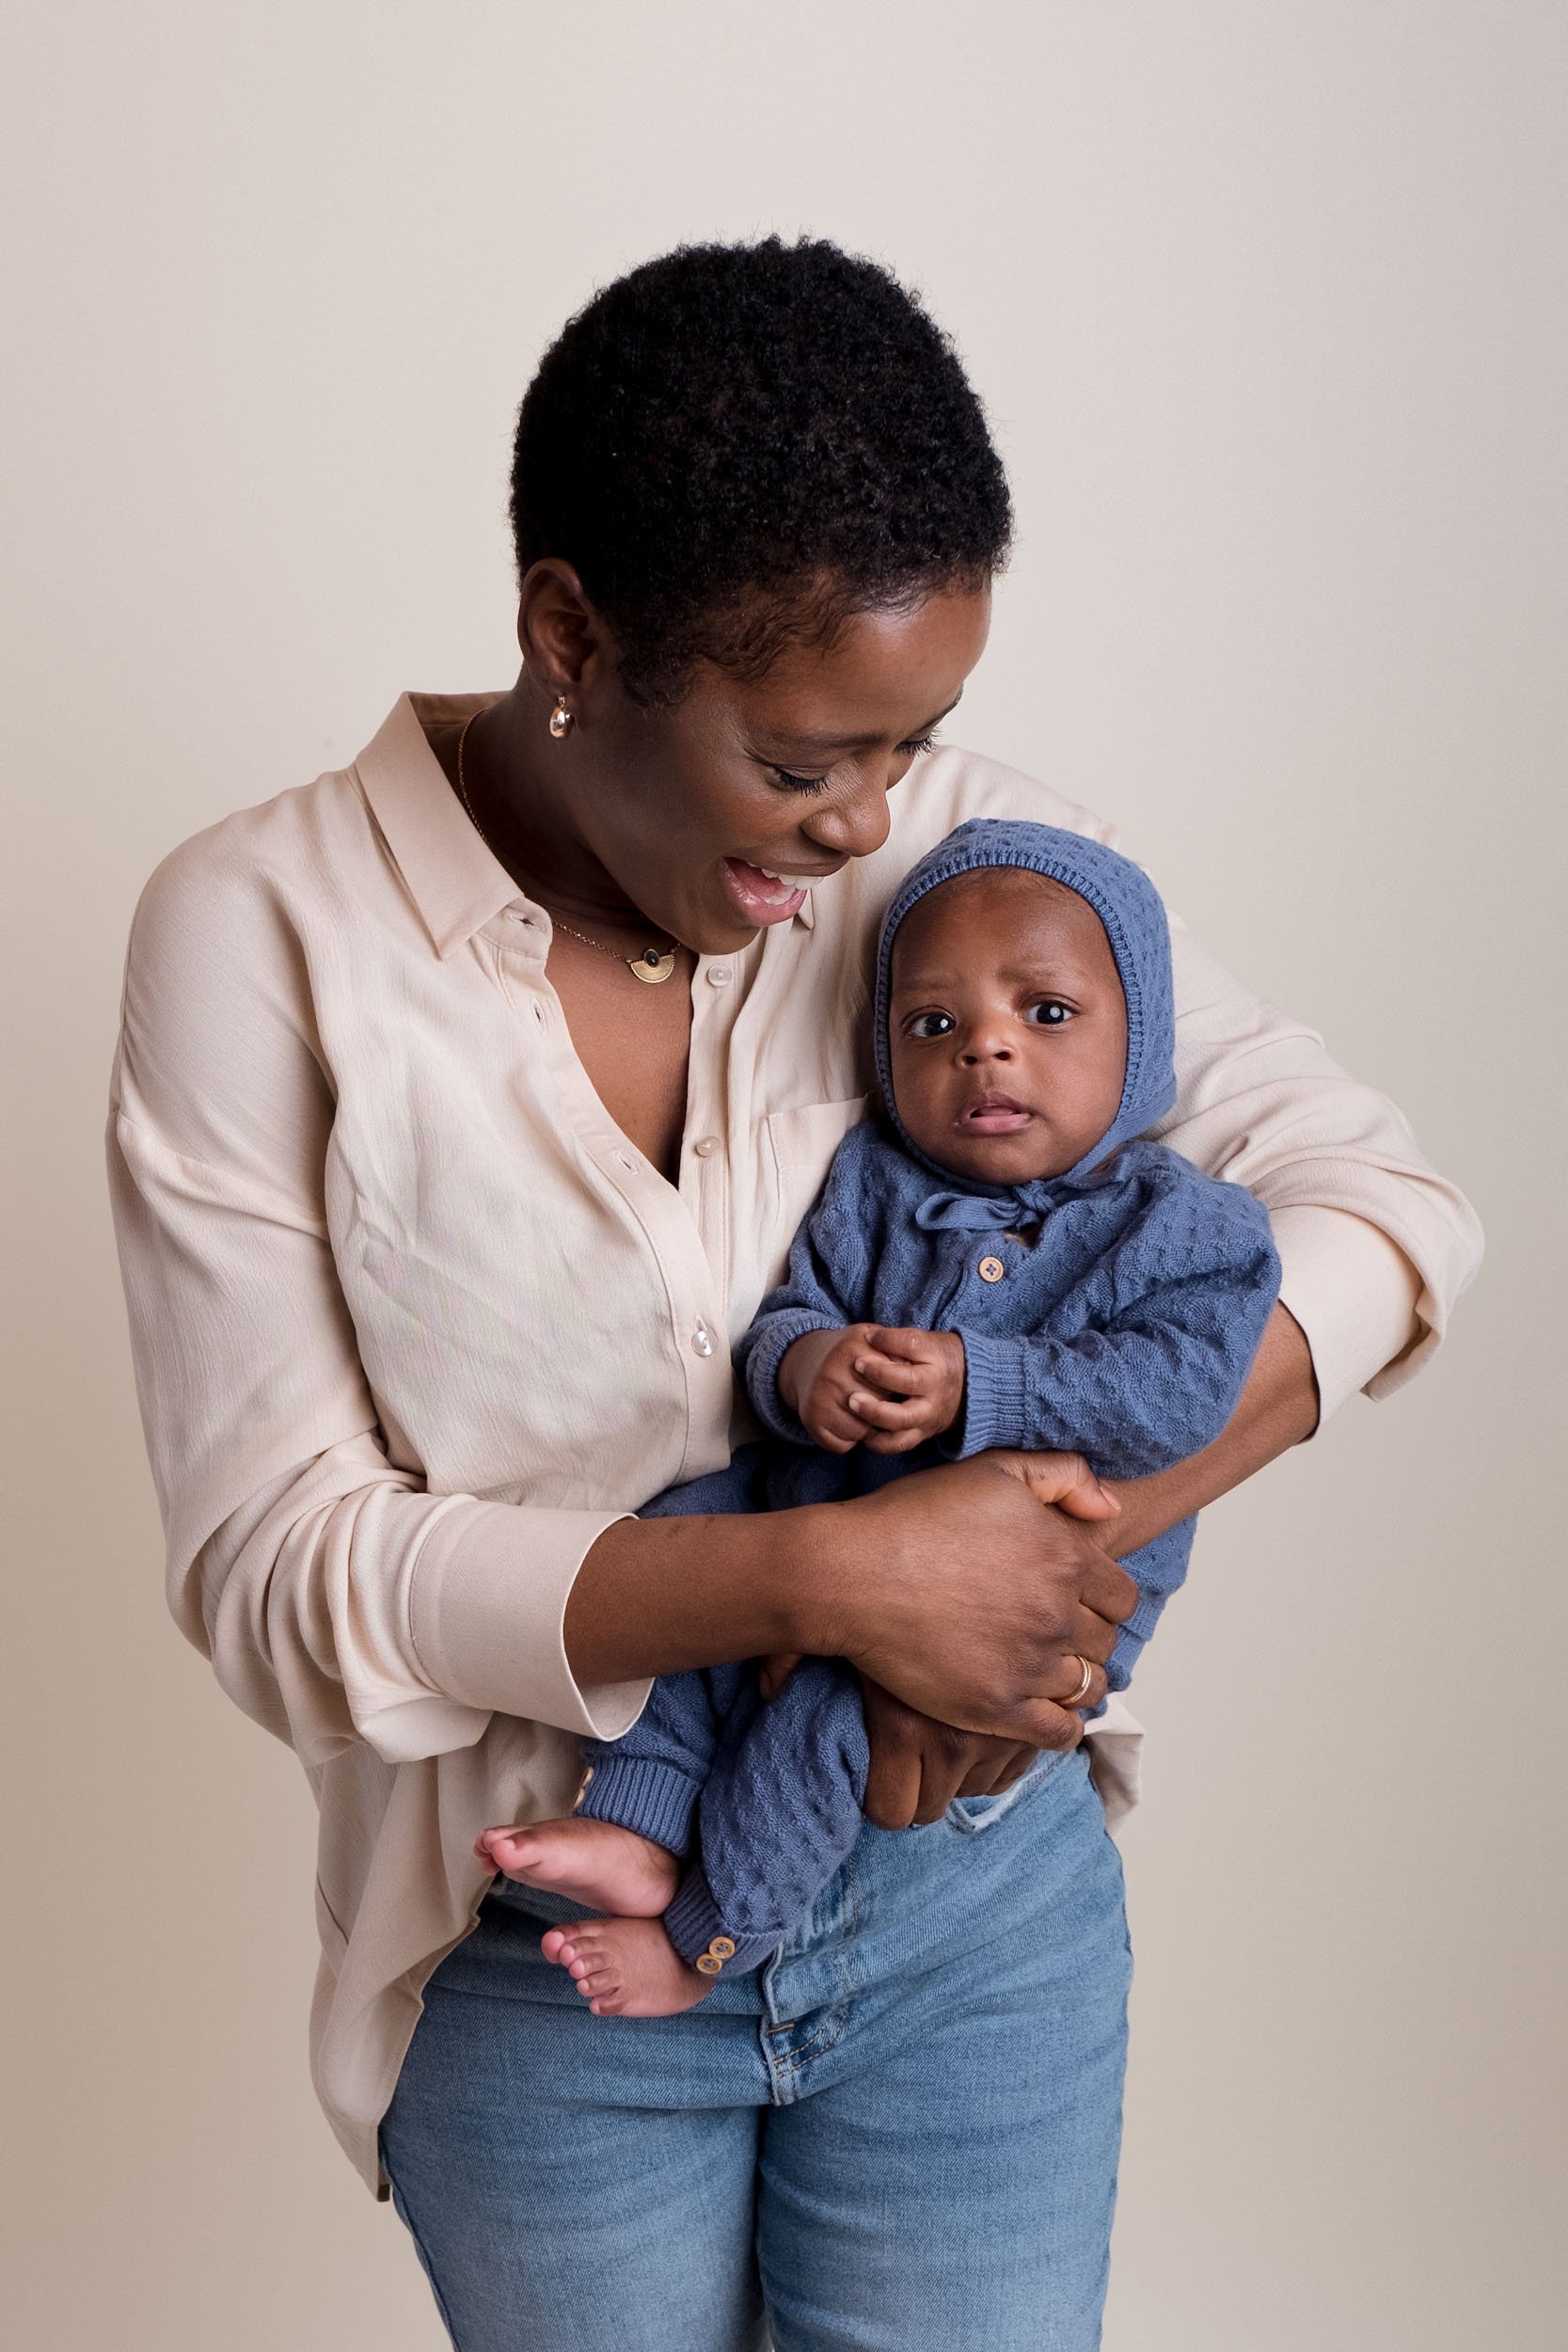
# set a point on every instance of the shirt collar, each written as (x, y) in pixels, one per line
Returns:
(455, 880)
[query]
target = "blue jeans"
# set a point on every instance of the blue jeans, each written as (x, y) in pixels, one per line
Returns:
(900, 2132)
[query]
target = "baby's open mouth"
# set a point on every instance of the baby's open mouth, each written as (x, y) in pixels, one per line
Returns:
(993, 1115)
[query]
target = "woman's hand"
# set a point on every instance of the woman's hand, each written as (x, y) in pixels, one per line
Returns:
(972, 1592)
(976, 1595)
(918, 1766)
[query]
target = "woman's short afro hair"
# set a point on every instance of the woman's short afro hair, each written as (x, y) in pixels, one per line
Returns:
(738, 446)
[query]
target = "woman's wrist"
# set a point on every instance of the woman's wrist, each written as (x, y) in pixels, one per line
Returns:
(660, 1596)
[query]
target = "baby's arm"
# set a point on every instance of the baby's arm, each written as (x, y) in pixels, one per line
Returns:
(823, 1299)
(1189, 1289)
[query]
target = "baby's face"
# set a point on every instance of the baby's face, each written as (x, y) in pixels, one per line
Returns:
(1008, 1026)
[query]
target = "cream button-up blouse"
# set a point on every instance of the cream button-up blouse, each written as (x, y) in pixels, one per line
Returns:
(413, 1320)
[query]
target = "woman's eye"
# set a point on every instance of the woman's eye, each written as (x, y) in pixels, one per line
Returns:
(930, 1025)
(799, 784)
(918, 743)
(1050, 1014)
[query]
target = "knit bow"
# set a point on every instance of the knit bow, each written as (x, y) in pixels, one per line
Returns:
(976, 1213)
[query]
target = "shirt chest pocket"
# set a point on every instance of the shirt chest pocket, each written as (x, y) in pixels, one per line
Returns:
(800, 1145)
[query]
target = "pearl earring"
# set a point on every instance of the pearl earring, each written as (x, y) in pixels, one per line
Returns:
(561, 719)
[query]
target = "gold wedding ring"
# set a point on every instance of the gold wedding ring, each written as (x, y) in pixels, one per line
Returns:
(1081, 1693)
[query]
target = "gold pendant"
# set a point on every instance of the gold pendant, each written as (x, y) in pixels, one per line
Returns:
(650, 965)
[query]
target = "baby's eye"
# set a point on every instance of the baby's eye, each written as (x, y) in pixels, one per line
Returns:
(930, 1025)
(1050, 1014)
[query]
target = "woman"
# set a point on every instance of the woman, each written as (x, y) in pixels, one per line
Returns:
(467, 1102)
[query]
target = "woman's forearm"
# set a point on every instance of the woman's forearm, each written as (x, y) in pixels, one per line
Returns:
(1278, 1408)
(658, 1595)
(886, 1580)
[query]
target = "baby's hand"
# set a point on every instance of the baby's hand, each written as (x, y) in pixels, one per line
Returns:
(889, 1389)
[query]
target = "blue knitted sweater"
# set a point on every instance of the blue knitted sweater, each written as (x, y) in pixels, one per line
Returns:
(1134, 1289)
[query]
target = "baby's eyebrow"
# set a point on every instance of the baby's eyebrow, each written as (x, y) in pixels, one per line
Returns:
(921, 983)
(1047, 975)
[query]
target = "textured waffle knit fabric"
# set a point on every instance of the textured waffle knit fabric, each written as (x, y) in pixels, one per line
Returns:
(1132, 1297)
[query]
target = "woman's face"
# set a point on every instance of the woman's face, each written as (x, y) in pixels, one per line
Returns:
(713, 817)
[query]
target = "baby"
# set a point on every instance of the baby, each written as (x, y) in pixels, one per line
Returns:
(999, 1262)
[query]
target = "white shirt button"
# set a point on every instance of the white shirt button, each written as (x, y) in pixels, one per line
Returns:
(718, 976)
(538, 1012)
(702, 1339)
(626, 1159)
(706, 1146)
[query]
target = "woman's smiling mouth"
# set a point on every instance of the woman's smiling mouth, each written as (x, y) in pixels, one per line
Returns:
(761, 896)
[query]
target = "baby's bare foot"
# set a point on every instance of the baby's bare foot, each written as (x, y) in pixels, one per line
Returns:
(625, 1967)
(590, 1862)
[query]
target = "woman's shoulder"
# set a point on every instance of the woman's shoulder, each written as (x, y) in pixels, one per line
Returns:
(259, 873)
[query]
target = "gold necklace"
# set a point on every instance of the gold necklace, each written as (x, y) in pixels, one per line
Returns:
(652, 965)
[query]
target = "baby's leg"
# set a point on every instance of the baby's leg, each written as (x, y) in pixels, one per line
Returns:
(780, 1812)
(618, 1851)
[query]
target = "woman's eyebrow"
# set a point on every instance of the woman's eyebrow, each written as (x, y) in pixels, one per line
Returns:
(864, 742)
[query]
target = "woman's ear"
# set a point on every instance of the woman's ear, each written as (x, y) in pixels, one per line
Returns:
(564, 641)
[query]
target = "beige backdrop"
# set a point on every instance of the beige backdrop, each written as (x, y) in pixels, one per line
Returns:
(1266, 302)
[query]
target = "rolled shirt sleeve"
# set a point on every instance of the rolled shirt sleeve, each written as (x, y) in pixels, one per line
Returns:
(1375, 1245)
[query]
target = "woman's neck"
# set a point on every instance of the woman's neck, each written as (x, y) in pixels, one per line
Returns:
(523, 788)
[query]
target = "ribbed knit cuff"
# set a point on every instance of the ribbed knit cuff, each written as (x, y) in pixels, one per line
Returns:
(995, 1398)
(1130, 1643)
(693, 1919)
(636, 1793)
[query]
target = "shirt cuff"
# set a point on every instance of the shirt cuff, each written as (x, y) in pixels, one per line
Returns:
(1354, 1293)
(487, 1609)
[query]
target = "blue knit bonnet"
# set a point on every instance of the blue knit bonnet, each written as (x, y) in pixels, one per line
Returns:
(1131, 910)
